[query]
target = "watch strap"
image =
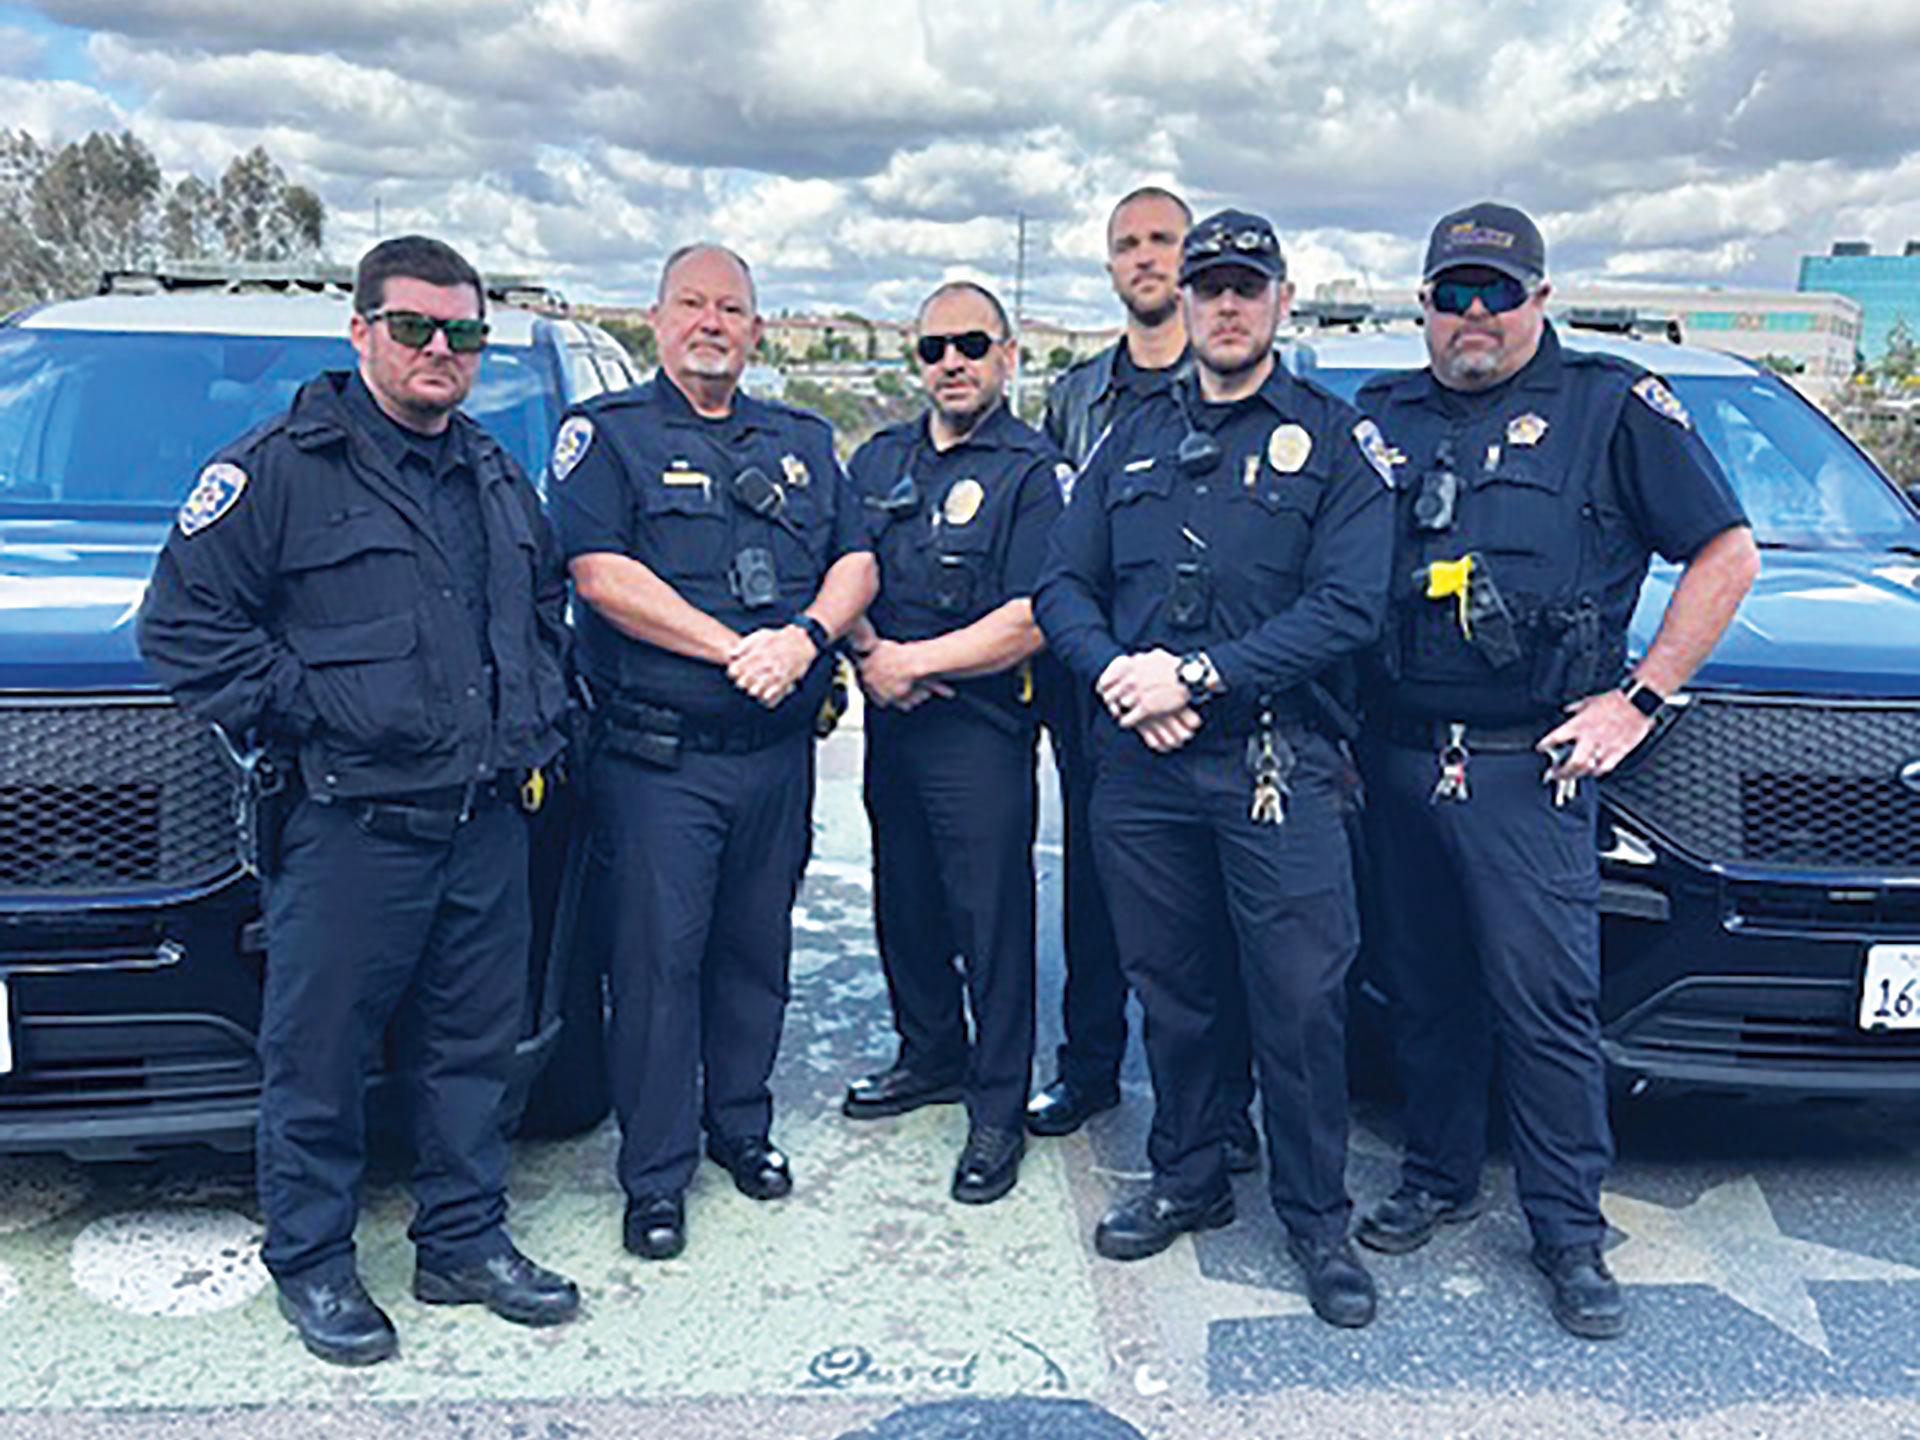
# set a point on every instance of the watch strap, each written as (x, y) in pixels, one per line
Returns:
(816, 632)
(1642, 696)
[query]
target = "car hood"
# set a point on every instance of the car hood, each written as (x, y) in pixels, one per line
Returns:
(1817, 622)
(69, 592)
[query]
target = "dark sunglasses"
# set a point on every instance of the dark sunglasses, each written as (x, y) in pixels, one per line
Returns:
(415, 331)
(1499, 294)
(1219, 242)
(1212, 284)
(974, 344)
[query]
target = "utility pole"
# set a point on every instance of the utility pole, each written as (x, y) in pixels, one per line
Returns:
(1019, 296)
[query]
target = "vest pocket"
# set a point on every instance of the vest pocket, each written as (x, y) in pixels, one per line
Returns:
(365, 680)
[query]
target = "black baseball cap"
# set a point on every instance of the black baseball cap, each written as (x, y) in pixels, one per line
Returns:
(1232, 237)
(1495, 236)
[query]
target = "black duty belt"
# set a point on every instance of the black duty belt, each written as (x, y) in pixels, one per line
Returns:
(659, 722)
(435, 814)
(1424, 732)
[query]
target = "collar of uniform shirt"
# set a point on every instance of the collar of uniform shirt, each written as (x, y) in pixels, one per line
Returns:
(990, 433)
(1542, 372)
(745, 416)
(1275, 393)
(439, 453)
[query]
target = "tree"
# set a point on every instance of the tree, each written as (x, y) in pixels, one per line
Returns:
(190, 220)
(96, 206)
(636, 337)
(1059, 358)
(262, 217)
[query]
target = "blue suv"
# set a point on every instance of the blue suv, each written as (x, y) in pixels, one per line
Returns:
(130, 941)
(1761, 858)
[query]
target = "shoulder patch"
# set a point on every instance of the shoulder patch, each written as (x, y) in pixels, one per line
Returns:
(569, 446)
(214, 494)
(1380, 455)
(1662, 401)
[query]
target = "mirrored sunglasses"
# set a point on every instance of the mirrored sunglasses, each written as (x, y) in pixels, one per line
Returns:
(415, 331)
(974, 344)
(1245, 242)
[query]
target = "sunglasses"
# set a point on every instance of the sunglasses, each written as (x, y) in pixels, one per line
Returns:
(974, 344)
(415, 331)
(1244, 242)
(1499, 294)
(1212, 284)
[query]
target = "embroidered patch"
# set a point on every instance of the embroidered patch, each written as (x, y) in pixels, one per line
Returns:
(1288, 448)
(1526, 429)
(1662, 401)
(569, 446)
(1374, 446)
(214, 494)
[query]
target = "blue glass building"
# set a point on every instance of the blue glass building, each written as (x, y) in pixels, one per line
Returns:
(1887, 287)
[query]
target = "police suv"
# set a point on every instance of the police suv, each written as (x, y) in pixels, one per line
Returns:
(1761, 853)
(131, 946)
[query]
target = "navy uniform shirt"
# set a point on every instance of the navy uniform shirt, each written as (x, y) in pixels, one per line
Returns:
(640, 473)
(958, 532)
(1291, 523)
(1571, 474)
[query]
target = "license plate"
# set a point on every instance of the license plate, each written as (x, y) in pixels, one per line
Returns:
(6, 1029)
(1890, 988)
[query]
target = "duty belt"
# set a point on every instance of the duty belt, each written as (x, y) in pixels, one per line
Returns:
(662, 723)
(1423, 732)
(436, 814)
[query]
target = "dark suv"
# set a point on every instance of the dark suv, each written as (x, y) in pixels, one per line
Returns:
(1761, 861)
(130, 941)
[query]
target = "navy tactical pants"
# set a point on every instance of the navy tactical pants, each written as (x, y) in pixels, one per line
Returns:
(952, 802)
(363, 929)
(706, 860)
(1492, 947)
(1219, 916)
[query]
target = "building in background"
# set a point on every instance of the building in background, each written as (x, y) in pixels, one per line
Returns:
(1886, 287)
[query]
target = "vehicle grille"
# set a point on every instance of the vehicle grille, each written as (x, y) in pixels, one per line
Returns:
(1772, 1026)
(1813, 787)
(98, 797)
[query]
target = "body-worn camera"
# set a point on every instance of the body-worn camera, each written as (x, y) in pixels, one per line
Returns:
(1433, 507)
(952, 584)
(755, 582)
(1191, 597)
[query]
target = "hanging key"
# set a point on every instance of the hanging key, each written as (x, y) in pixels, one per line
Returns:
(1452, 784)
(1270, 760)
(1565, 787)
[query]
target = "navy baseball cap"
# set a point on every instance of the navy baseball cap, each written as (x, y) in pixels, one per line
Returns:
(1232, 237)
(1497, 237)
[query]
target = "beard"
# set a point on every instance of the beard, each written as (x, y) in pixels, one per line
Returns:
(1153, 317)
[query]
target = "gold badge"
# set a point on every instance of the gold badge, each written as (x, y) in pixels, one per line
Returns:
(963, 502)
(1288, 448)
(795, 470)
(1526, 429)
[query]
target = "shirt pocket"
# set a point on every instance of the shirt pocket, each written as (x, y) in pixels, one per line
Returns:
(685, 532)
(1140, 520)
(1520, 525)
(365, 680)
(349, 565)
(1271, 522)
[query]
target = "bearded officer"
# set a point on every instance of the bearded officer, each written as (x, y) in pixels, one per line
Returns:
(961, 501)
(718, 555)
(1226, 549)
(368, 584)
(1535, 482)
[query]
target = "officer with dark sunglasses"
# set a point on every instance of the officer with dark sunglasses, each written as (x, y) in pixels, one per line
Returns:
(717, 554)
(1533, 483)
(1224, 553)
(960, 502)
(367, 590)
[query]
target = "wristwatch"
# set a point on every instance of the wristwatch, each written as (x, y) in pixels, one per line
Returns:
(816, 632)
(1642, 696)
(1196, 672)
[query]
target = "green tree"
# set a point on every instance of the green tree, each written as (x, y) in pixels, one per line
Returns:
(262, 216)
(636, 337)
(1059, 358)
(95, 205)
(890, 385)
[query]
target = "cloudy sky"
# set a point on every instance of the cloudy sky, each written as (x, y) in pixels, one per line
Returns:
(858, 150)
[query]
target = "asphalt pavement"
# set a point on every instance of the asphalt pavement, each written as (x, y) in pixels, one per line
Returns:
(1771, 1256)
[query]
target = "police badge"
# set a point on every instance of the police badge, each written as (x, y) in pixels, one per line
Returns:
(795, 469)
(1288, 448)
(1526, 429)
(963, 502)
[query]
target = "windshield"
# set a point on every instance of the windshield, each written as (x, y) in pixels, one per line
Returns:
(1802, 485)
(95, 419)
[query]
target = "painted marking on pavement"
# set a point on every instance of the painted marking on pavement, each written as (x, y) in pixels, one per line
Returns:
(170, 1262)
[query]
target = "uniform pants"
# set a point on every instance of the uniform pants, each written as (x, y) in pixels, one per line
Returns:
(1214, 913)
(363, 930)
(1492, 947)
(706, 860)
(1093, 1005)
(952, 802)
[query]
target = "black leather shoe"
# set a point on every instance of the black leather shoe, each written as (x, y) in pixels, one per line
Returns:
(1242, 1151)
(758, 1168)
(1406, 1219)
(895, 1091)
(1149, 1223)
(656, 1226)
(1338, 1285)
(338, 1320)
(1063, 1107)
(988, 1165)
(510, 1285)
(1586, 1297)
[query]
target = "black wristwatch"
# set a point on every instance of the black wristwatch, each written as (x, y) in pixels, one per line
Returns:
(816, 632)
(1642, 696)
(1196, 672)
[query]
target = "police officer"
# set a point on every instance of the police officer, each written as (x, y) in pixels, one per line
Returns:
(1144, 234)
(1533, 482)
(368, 584)
(718, 555)
(1226, 546)
(962, 500)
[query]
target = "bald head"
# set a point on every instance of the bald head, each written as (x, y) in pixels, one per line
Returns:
(699, 249)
